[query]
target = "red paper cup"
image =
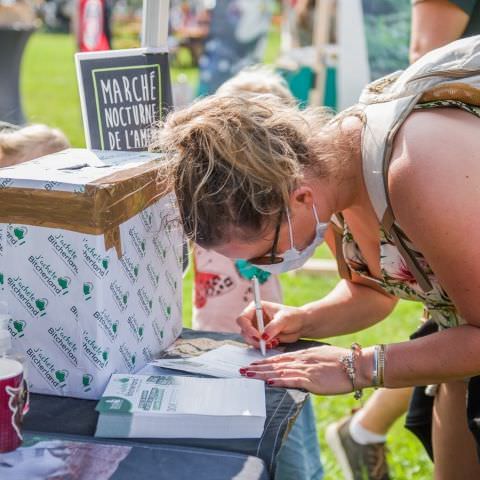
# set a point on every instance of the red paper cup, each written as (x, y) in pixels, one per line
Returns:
(12, 404)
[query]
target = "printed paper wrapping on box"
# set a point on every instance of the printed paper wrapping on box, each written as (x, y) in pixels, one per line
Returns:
(79, 312)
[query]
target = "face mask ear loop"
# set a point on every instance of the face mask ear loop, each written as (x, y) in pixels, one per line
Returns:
(290, 231)
(316, 214)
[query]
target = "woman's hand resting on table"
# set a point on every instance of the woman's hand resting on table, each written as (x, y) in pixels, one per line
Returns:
(318, 370)
(283, 324)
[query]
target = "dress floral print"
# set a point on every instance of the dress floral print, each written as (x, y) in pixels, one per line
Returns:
(399, 281)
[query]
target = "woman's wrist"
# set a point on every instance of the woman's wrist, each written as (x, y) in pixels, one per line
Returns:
(307, 315)
(366, 366)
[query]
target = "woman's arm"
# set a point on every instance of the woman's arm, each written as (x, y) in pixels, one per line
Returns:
(348, 308)
(440, 357)
(351, 306)
(434, 24)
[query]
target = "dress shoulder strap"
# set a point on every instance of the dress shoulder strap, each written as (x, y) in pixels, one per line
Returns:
(337, 223)
(382, 123)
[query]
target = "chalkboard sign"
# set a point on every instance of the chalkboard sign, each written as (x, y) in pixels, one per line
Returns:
(123, 93)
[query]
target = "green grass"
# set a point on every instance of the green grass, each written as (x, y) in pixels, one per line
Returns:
(50, 95)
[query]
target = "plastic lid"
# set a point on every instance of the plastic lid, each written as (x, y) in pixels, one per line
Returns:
(5, 341)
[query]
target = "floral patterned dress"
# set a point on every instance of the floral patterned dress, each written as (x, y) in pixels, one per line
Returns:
(396, 276)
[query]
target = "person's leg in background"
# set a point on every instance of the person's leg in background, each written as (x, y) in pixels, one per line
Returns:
(299, 456)
(378, 415)
(454, 447)
(358, 441)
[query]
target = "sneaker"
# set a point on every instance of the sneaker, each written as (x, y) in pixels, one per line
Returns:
(358, 462)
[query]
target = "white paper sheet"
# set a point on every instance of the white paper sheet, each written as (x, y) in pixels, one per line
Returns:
(222, 362)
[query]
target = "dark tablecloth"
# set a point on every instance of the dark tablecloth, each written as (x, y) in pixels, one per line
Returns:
(66, 417)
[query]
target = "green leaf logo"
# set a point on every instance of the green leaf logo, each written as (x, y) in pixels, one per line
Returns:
(150, 304)
(140, 332)
(64, 282)
(1, 279)
(105, 355)
(114, 327)
(87, 290)
(20, 232)
(169, 309)
(105, 262)
(125, 298)
(133, 359)
(19, 326)
(142, 245)
(135, 270)
(61, 375)
(87, 381)
(41, 304)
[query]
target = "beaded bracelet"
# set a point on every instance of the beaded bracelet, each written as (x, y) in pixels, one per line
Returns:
(348, 363)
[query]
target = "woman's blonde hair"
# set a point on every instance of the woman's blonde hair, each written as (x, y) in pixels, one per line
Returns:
(233, 162)
(27, 143)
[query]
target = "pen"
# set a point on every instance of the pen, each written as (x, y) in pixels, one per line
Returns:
(259, 312)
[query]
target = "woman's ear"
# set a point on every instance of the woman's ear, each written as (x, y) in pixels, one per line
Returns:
(302, 197)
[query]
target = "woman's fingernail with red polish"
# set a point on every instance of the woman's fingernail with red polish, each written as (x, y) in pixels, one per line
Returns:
(270, 382)
(256, 339)
(264, 336)
(243, 371)
(250, 374)
(275, 342)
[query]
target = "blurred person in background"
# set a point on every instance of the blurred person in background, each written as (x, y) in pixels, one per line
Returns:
(438, 22)
(21, 144)
(236, 39)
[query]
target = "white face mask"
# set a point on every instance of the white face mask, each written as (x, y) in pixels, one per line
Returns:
(293, 258)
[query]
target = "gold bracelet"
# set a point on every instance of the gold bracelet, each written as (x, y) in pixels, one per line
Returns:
(378, 366)
(381, 365)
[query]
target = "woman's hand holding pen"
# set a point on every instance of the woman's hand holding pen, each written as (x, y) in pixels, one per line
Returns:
(283, 324)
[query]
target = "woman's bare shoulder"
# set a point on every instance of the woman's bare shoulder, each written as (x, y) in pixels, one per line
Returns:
(433, 147)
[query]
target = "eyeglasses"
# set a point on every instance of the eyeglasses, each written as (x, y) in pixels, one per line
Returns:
(271, 259)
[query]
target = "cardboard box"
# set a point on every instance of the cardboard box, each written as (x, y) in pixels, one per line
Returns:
(91, 267)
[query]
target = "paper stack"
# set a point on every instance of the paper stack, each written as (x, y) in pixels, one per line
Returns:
(151, 406)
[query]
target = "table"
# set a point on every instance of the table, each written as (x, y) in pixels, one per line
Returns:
(50, 457)
(64, 417)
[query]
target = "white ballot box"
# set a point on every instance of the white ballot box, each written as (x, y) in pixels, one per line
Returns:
(90, 266)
